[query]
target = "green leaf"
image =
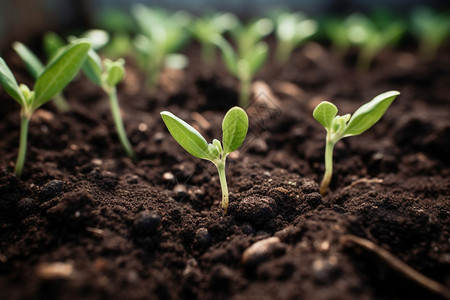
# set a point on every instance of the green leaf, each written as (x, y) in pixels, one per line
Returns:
(324, 113)
(368, 114)
(229, 55)
(99, 38)
(9, 83)
(234, 129)
(115, 71)
(186, 135)
(93, 68)
(60, 72)
(257, 57)
(52, 44)
(32, 63)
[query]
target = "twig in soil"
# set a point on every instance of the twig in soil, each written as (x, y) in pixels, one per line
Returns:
(398, 265)
(363, 180)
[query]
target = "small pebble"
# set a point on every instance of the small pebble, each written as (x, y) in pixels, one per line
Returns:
(325, 270)
(261, 251)
(51, 190)
(168, 176)
(257, 209)
(158, 137)
(146, 222)
(54, 270)
(202, 237)
(134, 179)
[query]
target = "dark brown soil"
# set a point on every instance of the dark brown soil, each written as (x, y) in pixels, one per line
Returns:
(85, 222)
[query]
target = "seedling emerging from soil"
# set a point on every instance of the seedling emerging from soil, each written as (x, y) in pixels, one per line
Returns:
(50, 81)
(162, 34)
(246, 36)
(291, 30)
(35, 67)
(339, 127)
(431, 29)
(370, 38)
(243, 65)
(108, 74)
(206, 28)
(234, 130)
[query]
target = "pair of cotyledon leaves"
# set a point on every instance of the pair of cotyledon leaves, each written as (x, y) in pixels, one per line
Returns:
(234, 130)
(60, 71)
(361, 120)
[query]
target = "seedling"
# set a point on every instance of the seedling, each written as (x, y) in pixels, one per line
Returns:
(162, 34)
(292, 29)
(243, 65)
(53, 46)
(107, 74)
(431, 29)
(50, 81)
(246, 36)
(339, 127)
(234, 130)
(371, 39)
(205, 28)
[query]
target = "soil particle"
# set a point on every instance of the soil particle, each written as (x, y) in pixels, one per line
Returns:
(256, 210)
(51, 190)
(202, 238)
(146, 222)
(261, 251)
(26, 207)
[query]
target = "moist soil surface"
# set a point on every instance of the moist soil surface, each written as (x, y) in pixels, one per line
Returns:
(86, 222)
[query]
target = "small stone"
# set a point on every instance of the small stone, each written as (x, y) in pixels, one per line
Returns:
(146, 222)
(158, 137)
(261, 251)
(54, 270)
(257, 209)
(134, 179)
(25, 207)
(168, 176)
(51, 190)
(202, 237)
(325, 270)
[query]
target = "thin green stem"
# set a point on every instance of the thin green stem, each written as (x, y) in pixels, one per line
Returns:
(283, 52)
(208, 52)
(24, 122)
(223, 183)
(244, 93)
(61, 103)
(328, 165)
(112, 93)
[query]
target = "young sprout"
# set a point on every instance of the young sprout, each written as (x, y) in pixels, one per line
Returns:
(370, 38)
(51, 81)
(339, 127)
(108, 74)
(431, 29)
(53, 46)
(291, 30)
(243, 65)
(246, 36)
(234, 130)
(35, 67)
(162, 34)
(206, 27)
(336, 31)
